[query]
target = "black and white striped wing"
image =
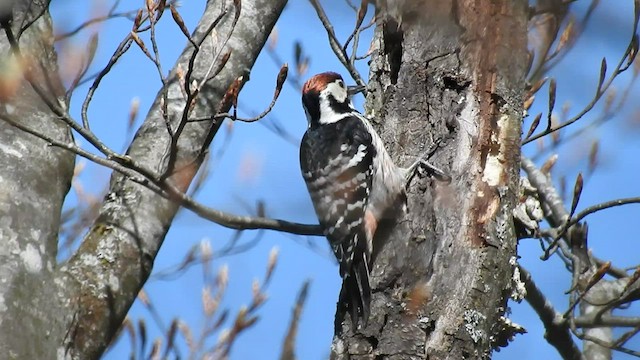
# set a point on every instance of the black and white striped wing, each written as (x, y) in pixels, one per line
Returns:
(337, 165)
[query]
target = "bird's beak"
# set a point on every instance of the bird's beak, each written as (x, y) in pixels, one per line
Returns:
(355, 89)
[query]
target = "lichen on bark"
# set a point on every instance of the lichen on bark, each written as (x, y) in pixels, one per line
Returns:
(442, 77)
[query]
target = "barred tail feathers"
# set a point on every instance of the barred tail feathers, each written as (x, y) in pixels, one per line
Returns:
(356, 288)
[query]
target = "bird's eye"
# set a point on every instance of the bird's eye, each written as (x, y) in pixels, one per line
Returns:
(340, 83)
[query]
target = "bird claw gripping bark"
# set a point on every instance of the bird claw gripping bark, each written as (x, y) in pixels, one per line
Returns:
(423, 168)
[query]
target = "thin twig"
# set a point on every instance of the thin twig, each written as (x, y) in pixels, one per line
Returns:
(335, 44)
(556, 330)
(591, 321)
(191, 94)
(603, 206)
(288, 348)
(169, 191)
(602, 88)
(95, 20)
(122, 48)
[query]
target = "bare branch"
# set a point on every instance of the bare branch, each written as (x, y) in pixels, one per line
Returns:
(122, 48)
(288, 350)
(100, 19)
(606, 320)
(169, 191)
(282, 77)
(603, 206)
(335, 43)
(135, 218)
(623, 64)
(556, 329)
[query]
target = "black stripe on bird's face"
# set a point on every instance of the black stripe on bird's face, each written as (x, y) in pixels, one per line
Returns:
(339, 107)
(324, 108)
(311, 104)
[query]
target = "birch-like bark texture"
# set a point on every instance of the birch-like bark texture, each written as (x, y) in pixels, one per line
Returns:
(452, 74)
(73, 310)
(34, 179)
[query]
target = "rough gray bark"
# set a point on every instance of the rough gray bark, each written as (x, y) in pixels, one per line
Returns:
(34, 180)
(73, 310)
(441, 280)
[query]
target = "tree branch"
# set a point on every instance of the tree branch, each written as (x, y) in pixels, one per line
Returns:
(133, 220)
(168, 191)
(335, 43)
(556, 329)
(34, 182)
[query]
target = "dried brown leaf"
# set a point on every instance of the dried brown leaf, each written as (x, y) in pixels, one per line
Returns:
(179, 21)
(534, 125)
(142, 331)
(155, 349)
(142, 296)
(362, 12)
(221, 319)
(534, 89)
(548, 165)
(137, 21)
(140, 43)
(162, 4)
(209, 304)
(529, 101)
(603, 73)
(577, 191)
(187, 334)
(633, 51)
(249, 322)
(171, 335)
(297, 53)
(231, 96)
(282, 77)
(552, 100)
(150, 6)
(632, 279)
(568, 34)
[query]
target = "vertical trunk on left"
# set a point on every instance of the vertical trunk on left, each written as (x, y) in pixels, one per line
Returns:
(34, 180)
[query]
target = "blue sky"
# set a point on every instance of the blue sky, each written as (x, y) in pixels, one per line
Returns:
(260, 165)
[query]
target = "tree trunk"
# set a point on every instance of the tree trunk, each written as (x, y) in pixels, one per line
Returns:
(451, 74)
(73, 310)
(34, 180)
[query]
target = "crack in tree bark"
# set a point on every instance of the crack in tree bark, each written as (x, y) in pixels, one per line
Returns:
(457, 239)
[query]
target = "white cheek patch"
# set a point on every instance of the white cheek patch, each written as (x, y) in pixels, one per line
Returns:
(338, 92)
(327, 115)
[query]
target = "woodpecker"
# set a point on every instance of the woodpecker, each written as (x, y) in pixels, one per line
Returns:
(351, 179)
